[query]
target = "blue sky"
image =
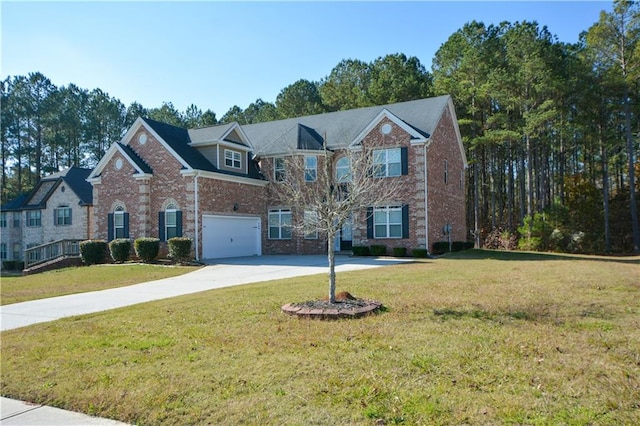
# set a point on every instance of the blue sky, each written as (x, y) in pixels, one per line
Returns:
(219, 54)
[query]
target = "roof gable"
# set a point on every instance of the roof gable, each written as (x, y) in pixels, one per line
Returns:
(416, 136)
(74, 177)
(141, 168)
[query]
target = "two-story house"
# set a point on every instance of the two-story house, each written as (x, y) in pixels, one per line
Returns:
(212, 184)
(59, 207)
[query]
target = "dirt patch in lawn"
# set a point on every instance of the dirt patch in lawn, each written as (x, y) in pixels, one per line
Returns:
(345, 306)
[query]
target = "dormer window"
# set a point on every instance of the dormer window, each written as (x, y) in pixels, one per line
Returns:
(232, 159)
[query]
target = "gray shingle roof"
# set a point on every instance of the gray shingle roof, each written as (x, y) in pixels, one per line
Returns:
(74, 177)
(335, 129)
(341, 127)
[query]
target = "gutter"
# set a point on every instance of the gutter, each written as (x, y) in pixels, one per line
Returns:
(426, 198)
(196, 212)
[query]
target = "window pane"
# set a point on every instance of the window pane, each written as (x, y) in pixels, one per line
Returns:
(393, 155)
(394, 169)
(118, 219)
(170, 218)
(286, 232)
(395, 231)
(395, 216)
(380, 231)
(274, 232)
(380, 216)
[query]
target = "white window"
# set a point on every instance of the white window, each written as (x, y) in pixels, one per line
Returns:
(3, 220)
(34, 218)
(17, 251)
(387, 222)
(232, 159)
(387, 162)
(3, 251)
(343, 170)
(280, 224)
(310, 225)
(16, 219)
(310, 168)
(62, 216)
(279, 169)
(171, 222)
(118, 222)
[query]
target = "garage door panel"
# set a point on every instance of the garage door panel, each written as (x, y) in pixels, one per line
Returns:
(229, 236)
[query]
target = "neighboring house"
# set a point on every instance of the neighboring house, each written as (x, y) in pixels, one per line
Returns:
(59, 207)
(210, 184)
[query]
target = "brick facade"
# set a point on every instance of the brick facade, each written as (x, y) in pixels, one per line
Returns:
(154, 176)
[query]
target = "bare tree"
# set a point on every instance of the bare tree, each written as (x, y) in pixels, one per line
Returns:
(334, 195)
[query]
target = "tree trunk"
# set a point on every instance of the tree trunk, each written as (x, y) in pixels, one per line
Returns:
(632, 179)
(331, 255)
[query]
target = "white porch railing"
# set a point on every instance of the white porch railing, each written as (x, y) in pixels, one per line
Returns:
(50, 251)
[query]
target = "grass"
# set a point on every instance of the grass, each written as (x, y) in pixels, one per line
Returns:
(60, 282)
(472, 338)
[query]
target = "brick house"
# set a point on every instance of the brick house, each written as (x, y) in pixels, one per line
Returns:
(59, 207)
(212, 184)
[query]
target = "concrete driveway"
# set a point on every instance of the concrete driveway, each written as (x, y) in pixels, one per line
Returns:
(224, 273)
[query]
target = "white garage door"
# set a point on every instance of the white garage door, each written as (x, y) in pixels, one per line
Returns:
(230, 236)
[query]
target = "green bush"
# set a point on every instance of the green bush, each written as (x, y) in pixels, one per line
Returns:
(13, 265)
(93, 252)
(147, 249)
(378, 250)
(440, 247)
(180, 248)
(461, 245)
(360, 250)
(420, 252)
(399, 251)
(120, 249)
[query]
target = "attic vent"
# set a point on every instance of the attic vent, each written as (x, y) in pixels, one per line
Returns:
(385, 129)
(142, 139)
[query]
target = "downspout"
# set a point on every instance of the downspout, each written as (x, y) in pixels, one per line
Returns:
(196, 213)
(426, 203)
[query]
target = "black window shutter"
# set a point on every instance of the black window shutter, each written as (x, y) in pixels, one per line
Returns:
(161, 230)
(126, 225)
(55, 217)
(110, 227)
(405, 221)
(404, 160)
(179, 223)
(370, 222)
(70, 216)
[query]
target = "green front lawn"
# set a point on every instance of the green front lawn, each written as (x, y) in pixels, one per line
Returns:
(60, 282)
(472, 338)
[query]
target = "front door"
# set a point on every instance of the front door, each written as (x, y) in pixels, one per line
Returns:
(346, 235)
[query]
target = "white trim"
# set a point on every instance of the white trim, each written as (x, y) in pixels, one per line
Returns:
(426, 200)
(95, 173)
(454, 118)
(196, 212)
(224, 177)
(385, 113)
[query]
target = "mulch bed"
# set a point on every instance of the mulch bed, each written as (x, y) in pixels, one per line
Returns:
(345, 306)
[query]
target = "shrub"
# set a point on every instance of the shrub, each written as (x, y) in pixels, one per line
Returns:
(360, 250)
(420, 252)
(399, 251)
(93, 252)
(461, 245)
(179, 248)
(120, 249)
(378, 250)
(13, 265)
(147, 249)
(441, 247)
